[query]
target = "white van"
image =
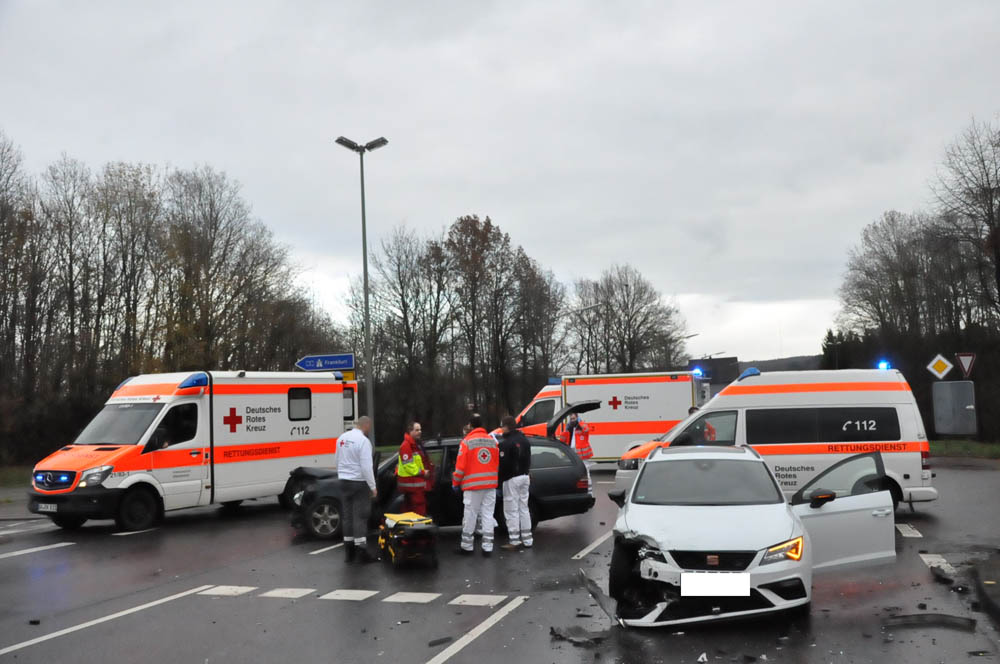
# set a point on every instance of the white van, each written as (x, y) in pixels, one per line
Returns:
(803, 422)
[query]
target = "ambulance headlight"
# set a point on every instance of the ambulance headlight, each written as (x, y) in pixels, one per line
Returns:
(790, 550)
(94, 476)
(297, 498)
(629, 464)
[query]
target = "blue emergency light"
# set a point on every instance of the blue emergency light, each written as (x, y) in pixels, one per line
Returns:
(39, 477)
(698, 372)
(199, 379)
(884, 365)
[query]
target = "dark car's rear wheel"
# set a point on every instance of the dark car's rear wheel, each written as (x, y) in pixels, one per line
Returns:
(323, 518)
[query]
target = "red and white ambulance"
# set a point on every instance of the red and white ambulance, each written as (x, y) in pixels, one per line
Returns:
(634, 407)
(164, 442)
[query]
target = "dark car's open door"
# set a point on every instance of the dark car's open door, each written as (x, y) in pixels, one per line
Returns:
(566, 411)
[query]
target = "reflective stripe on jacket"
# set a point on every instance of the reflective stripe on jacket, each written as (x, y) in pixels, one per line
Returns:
(478, 462)
(580, 440)
(410, 466)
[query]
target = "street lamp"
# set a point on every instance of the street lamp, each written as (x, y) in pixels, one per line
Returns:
(369, 364)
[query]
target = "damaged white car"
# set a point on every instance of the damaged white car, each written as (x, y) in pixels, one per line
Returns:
(705, 534)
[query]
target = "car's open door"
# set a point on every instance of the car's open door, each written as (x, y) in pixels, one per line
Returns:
(566, 411)
(848, 514)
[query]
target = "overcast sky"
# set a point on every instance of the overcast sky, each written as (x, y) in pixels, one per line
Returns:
(732, 152)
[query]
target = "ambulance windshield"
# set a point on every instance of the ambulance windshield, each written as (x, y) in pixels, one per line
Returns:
(119, 424)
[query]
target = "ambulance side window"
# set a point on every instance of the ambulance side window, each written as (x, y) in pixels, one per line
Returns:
(540, 413)
(179, 425)
(774, 426)
(349, 403)
(846, 425)
(717, 428)
(299, 403)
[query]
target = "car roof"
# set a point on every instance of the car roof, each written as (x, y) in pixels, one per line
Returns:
(704, 452)
(435, 443)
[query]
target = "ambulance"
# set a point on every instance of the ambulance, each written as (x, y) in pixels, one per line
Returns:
(633, 406)
(164, 442)
(803, 422)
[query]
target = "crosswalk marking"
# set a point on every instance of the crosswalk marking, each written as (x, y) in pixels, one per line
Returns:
(934, 560)
(228, 591)
(906, 530)
(412, 598)
(478, 600)
(288, 593)
(350, 595)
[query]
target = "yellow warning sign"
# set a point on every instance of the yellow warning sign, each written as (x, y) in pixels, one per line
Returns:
(348, 375)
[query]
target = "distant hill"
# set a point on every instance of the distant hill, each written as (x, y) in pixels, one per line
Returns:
(797, 363)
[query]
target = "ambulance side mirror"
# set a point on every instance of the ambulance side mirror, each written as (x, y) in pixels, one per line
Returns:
(617, 497)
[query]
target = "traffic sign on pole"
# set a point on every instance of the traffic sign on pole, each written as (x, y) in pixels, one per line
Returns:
(939, 366)
(331, 362)
(966, 360)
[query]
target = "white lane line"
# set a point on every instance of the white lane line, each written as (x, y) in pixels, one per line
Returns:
(133, 532)
(350, 595)
(477, 631)
(605, 482)
(325, 549)
(478, 600)
(15, 523)
(98, 621)
(227, 591)
(593, 545)
(34, 549)
(412, 598)
(906, 530)
(934, 560)
(288, 593)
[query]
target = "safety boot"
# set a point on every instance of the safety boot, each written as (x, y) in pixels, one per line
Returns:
(349, 551)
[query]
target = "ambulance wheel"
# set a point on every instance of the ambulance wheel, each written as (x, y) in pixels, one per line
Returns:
(231, 506)
(138, 509)
(323, 518)
(69, 522)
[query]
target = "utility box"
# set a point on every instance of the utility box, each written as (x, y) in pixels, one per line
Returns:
(955, 408)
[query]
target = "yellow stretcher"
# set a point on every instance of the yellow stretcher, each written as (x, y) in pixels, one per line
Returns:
(408, 537)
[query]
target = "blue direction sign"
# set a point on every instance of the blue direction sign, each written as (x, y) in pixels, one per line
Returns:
(335, 362)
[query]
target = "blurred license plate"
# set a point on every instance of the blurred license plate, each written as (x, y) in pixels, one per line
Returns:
(715, 584)
(46, 507)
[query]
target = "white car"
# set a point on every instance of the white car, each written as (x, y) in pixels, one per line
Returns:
(705, 533)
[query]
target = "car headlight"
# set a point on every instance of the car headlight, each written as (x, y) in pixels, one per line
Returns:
(628, 464)
(297, 498)
(94, 476)
(790, 550)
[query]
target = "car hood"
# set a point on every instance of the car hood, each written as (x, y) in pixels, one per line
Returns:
(705, 527)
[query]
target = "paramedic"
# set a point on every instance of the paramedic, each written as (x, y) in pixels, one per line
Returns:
(413, 471)
(515, 462)
(577, 435)
(475, 477)
(355, 467)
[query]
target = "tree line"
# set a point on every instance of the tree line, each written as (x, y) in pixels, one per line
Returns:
(928, 282)
(134, 268)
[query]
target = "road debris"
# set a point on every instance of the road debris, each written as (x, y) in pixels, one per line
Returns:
(577, 635)
(703, 657)
(439, 642)
(931, 620)
(941, 576)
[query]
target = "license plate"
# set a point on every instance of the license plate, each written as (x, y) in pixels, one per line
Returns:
(46, 507)
(715, 584)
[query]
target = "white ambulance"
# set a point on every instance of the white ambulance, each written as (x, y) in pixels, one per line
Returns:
(168, 441)
(633, 407)
(803, 422)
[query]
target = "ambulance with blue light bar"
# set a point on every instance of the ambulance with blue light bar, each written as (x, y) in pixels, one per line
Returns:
(164, 442)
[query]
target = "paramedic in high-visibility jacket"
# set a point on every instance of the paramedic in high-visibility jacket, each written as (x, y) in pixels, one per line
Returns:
(577, 436)
(413, 471)
(475, 476)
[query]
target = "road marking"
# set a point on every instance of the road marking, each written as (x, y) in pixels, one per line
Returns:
(412, 598)
(477, 631)
(350, 595)
(325, 549)
(30, 529)
(288, 593)
(596, 543)
(133, 532)
(606, 482)
(227, 591)
(34, 549)
(478, 600)
(98, 621)
(906, 530)
(934, 560)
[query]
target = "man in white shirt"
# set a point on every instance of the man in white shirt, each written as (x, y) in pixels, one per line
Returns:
(355, 468)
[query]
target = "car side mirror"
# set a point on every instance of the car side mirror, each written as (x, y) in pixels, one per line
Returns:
(820, 497)
(617, 497)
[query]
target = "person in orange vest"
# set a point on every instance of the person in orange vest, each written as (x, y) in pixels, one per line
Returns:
(707, 431)
(413, 470)
(475, 477)
(577, 436)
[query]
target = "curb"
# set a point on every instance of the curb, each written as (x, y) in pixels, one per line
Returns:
(987, 598)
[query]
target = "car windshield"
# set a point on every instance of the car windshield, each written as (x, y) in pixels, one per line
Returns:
(119, 424)
(705, 482)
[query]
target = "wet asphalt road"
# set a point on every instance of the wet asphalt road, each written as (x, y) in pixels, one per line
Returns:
(138, 597)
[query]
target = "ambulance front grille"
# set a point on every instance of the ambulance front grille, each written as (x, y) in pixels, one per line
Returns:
(54, 479)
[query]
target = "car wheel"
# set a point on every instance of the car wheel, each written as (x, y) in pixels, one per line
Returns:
(620, 573)
(231, 506)
(533, 511)
(323, 518)
(138, 510)
(69, 522)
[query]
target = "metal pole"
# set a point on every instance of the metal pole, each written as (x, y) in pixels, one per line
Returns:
(369, 365)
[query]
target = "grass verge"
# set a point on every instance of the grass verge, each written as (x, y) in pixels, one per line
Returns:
(14, 476)
(965, 448)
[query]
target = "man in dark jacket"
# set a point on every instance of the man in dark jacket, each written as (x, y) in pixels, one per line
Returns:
(515, 462)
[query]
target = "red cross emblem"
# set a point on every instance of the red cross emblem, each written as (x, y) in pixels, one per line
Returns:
(156, 398)
(232, 419)
(614, 403)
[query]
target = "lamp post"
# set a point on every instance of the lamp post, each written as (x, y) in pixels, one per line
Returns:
(369, 364)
